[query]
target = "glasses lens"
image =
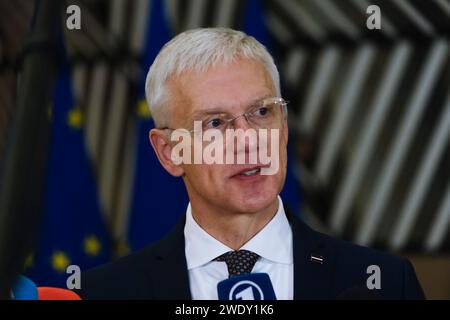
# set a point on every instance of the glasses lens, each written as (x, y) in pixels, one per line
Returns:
(267, 115)
(218, 122)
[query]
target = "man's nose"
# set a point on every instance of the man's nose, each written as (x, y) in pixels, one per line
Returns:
(248, 143)
(241, 122)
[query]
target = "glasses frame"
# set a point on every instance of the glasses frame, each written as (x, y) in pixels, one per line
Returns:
(247, 115)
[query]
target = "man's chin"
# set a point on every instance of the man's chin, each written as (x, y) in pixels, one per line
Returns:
(254, 204)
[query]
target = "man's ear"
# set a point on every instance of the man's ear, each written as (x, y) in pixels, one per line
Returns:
(163, 149)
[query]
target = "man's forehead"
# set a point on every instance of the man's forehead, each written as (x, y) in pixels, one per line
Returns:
(220, 72)
(220, 106)
(204, 91)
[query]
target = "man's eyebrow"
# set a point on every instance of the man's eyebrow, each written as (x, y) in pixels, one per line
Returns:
(213, 110)
(222, 109)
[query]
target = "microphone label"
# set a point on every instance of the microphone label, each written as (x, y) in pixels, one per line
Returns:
(253, 286)
(246, 290)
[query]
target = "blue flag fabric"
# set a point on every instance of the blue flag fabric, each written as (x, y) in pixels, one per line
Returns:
(72, 231)
(254, 24)
(158, 199)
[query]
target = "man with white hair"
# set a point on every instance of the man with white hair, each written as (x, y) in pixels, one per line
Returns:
(210, 82)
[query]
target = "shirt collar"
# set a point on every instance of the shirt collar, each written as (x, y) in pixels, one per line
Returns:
(273, 242)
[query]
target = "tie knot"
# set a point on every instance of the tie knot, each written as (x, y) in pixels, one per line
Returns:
(239, 262)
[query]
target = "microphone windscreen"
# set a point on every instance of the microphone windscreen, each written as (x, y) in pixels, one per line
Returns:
(49, 293)
(24, 289)
(252, 286)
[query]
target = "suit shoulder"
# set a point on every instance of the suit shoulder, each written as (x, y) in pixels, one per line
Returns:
(133, 261)
(356, 258)
(349, 250)
(353, 266)
(126, 277)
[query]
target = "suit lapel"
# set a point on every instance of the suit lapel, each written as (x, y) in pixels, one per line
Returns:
(314, 259)
(171, 280)
(313, 262)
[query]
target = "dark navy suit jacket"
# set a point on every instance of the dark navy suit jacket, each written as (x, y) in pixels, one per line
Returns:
(159, 271)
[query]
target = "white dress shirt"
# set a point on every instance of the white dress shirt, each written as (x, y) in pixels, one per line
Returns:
(273, 244)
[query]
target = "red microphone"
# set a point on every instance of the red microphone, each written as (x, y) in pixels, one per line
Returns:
(49, 293)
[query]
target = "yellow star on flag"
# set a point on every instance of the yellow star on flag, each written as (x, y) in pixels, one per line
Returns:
(142, 109)
(75, 118)
(60, 261)
(92, 246)
(29, 261)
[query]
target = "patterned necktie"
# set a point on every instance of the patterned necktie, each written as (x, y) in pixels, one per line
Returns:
(239, 262)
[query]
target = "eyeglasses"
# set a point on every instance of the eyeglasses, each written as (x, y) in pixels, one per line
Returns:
(266, 114)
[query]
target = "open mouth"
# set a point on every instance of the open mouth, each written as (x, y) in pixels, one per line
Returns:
(251, 172)
(248, 172)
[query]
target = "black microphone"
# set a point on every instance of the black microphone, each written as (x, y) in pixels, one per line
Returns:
(359, 293)
(251, 286)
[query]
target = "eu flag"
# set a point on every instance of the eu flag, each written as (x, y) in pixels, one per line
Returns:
(158, 199)
(72, 231)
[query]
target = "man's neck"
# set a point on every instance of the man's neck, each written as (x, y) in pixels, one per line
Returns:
(232, 229)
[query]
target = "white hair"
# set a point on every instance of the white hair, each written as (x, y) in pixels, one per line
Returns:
(200, 49)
